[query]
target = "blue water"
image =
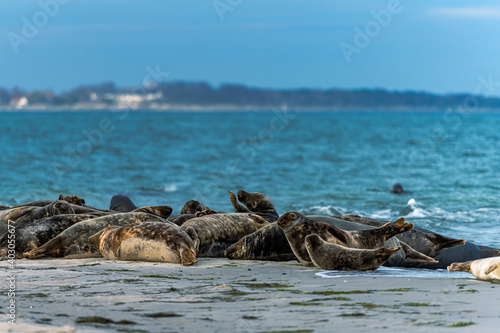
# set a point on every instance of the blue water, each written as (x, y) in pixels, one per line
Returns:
(318, 163)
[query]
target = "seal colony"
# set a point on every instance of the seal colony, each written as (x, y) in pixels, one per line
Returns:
(66, 227)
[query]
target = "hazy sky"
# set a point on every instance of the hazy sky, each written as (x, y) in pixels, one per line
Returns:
(438, 46)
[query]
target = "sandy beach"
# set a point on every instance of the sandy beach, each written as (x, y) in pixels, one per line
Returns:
(219, 295)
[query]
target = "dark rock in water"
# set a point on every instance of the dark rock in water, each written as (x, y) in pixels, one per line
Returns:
(122, 203)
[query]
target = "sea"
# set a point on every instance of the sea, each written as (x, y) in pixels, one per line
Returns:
(325, 163)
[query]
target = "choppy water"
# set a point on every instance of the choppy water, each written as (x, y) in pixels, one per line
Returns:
(317, 163)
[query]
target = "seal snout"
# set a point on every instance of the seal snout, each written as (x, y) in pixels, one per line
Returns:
(241, 195)
(287, 219)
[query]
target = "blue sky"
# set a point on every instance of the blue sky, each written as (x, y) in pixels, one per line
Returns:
(434, 46)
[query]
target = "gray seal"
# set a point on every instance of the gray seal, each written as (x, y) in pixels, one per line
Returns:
(256, 203)
(146, 241)
(487, 269)
(74, 241)
(217, 232)
(331, 256)
(121, 203)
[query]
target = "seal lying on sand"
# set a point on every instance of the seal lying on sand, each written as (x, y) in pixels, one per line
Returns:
(443, 249)
(218, 231)
(74, 241)
(121, 203)
(267, 243)
(36, 233)
(484, 269)
(146, 241)
(25, 214)
(256, 203)
(297, 226)
(331, 256)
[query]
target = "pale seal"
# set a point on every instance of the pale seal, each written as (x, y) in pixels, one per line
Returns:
(146, 241)
(487, 269)
(331, 256)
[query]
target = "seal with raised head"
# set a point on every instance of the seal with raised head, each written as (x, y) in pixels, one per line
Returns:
(121, 203)
(193, 206)
(36, 233)
(332, 256)
(256, 203)
(74, 241)
(217, 232)
(146, 241)
(487, 269)
(444, 250)
(25, 214)
(297, 226)
(422, 240)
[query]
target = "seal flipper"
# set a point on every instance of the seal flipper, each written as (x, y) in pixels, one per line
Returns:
(206, 212)
(491, 268)
(442, 242)
(238, 208)
(415, 257)
(50, 249)
(258, 219)
(194, 237)
(397, 227)
(188, 256)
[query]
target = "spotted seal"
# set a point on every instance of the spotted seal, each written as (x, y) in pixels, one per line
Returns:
(256, 203)
(332, 256)
(487, 269)
(74, 240)
(146, 241)
(218, 231)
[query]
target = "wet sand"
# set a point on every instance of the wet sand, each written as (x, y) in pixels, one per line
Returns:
(218, 295)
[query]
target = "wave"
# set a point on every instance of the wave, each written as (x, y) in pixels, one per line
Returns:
(170, 188)
(324, 210)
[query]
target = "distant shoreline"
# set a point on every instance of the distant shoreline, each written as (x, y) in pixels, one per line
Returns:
(227, 108)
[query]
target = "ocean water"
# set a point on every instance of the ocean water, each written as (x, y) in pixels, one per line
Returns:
(316, 163)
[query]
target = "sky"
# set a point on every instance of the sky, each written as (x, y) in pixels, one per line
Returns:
(436, 46)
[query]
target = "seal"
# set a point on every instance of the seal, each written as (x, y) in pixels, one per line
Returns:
(256, 203)
(25, 214)
(161, 211)
(331, 256)
(296, 227)
(422, 240)
(121, 203)
(193, 206)
(146, 241)
(36, 233)
(74, 241)
(72, 199)
(398, 189)
(217, 232)
(180, 219)
(268, 243)
(487, 269)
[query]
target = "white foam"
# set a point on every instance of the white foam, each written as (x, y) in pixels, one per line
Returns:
(170, 188)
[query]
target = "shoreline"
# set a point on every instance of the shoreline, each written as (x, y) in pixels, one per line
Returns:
(217, 294)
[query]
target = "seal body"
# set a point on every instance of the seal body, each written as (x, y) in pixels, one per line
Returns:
(256, 203)
(74, 241)
(331, 256)
(422, 240)
(180, 219)
(146, 241)
(487, 269)
(161, 211)
(217, 232)
(24, 214)
(267, 243)
(36, 233)
(296, 227)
